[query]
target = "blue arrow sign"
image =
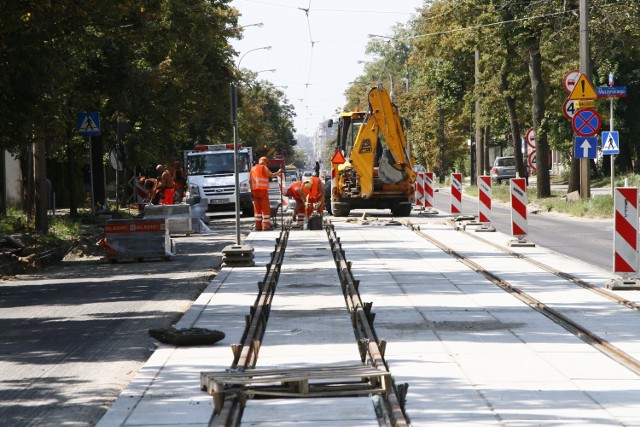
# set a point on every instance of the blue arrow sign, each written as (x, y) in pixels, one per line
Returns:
(586, 147)
(611, 91)
(89, 124)
(610, 143)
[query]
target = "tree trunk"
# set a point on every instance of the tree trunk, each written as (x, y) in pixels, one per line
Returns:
(538, 111)
(514, 125)
(28, 190)
(99, 197)
(42, 189)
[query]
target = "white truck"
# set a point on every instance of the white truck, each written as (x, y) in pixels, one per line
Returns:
(210, 175)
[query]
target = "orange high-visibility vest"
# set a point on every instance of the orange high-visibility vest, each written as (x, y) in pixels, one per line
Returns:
(259, 180)
(314, 191)
(294, 190)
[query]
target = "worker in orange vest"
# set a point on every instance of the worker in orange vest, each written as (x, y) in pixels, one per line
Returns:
(313, 193)
(295, 192)
(259, 177)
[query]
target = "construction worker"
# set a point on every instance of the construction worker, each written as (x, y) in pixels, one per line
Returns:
(295, 192)
(259, 177)
(165, 185)
(179, 178)
(313, 193)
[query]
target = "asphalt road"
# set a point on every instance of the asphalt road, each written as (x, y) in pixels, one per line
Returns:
(74, 334)
(590, 240)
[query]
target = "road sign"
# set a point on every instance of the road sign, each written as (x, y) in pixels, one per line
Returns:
(586, 147)
(569, 108)
(611, 92)
(586, 122)
(583, 89)
(610, 143)
(530, 136)
(531, 159)
(88, 124)
(588, 103)
(570, 79)
(338, 158)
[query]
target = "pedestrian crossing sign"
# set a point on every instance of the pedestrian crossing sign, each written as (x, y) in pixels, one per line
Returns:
(610, 143)
(89, 124)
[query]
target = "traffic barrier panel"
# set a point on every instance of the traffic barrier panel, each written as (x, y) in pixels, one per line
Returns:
(179, 219)
(136, 239)
(484, 199)
(518, 191)
(456, 193)
(419, 189)
(428, 190)
(625, 256)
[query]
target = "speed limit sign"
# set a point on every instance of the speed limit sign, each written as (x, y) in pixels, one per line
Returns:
(569, 108)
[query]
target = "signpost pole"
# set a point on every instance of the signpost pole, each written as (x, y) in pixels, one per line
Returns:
(585, 68)
(93, 202)
(612, 156)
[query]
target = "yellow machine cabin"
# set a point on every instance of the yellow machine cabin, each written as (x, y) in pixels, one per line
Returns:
(378, 169)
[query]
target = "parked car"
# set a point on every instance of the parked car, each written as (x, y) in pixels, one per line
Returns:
(503, 168)
(291, 176)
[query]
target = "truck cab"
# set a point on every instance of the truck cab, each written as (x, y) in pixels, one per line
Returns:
(211, 176)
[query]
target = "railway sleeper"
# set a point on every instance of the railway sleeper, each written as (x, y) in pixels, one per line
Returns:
(321, 381)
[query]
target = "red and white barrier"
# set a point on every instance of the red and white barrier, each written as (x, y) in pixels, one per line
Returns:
(518, 190)
(419, 189)
(625, 256)
(428, 190)
(456, 193)
(484, 199)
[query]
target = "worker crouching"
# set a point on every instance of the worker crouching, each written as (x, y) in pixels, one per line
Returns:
(309, 197)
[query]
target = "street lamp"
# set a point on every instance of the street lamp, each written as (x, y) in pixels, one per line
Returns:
(271, 70)
(259, 24)
(252, 50)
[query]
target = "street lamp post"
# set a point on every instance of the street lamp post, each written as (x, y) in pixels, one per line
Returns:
(234, 119)
(252, 50)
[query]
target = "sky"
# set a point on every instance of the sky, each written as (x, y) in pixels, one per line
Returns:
(315, 47)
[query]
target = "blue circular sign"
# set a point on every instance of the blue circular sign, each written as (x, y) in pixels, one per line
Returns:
(586, 122)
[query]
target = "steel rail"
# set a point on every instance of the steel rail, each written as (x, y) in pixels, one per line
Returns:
(584, 334)
(362, 319)
(246, 353)
(566, 276)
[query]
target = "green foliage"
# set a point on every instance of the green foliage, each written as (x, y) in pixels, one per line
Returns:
(13, 222)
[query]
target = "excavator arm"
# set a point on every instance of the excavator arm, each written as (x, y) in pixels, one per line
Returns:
(394, 163)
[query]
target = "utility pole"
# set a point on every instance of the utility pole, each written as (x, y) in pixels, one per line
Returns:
(480, 166)
(585, 68)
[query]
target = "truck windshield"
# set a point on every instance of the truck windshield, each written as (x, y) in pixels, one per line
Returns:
(349, 130)
(216, 163)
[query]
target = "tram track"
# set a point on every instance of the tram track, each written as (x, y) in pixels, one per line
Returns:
(604, 346)
(564, 275)
(390, 405)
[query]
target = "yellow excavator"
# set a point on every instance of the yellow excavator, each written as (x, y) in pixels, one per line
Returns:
(372, 167)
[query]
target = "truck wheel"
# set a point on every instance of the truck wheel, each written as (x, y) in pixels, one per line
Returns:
(340, 210)
(401, 210)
